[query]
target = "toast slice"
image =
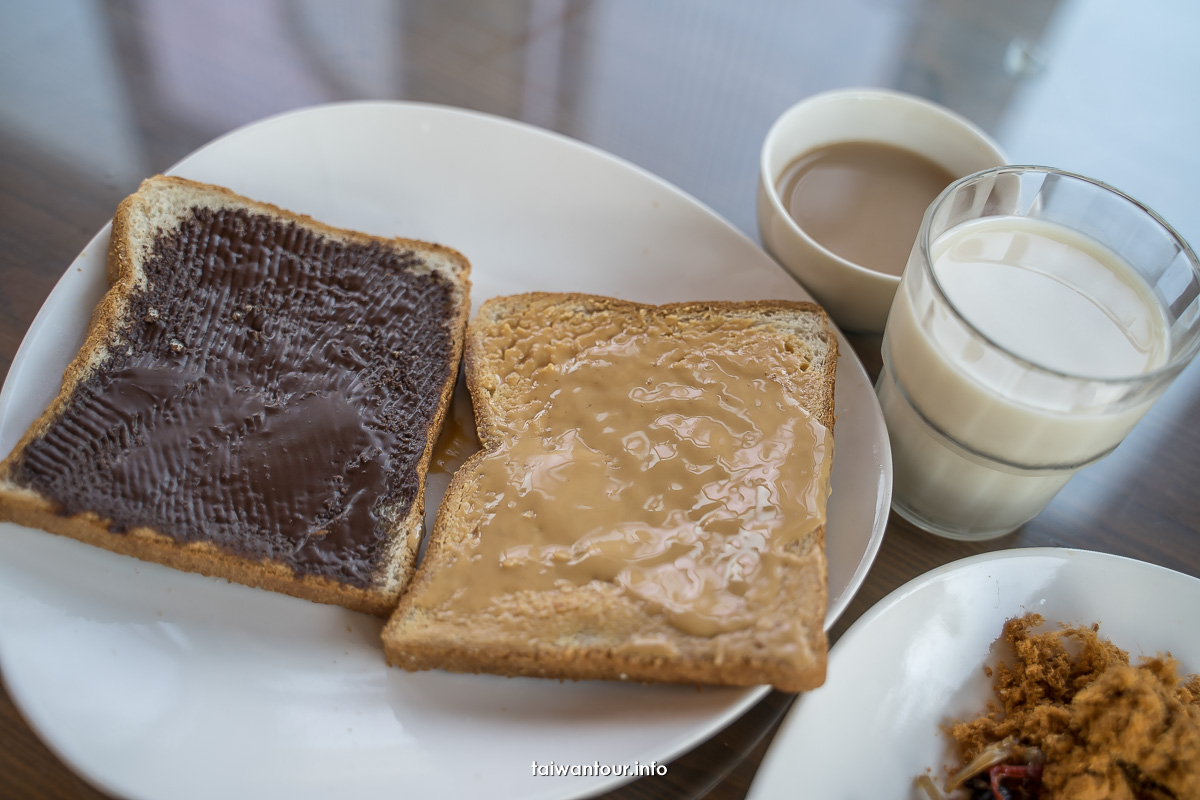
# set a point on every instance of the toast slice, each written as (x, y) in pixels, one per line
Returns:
(257, 399)
(648, 503)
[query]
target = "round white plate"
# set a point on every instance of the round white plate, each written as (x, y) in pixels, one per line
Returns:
(916, 659)
(156, 683)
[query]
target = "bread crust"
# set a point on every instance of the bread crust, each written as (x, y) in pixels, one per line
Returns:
(23, 506)
(573, 634)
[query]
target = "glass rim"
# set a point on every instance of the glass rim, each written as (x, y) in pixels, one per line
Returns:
(1174, 364)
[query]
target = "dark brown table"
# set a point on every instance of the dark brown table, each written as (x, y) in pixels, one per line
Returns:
(96, 95)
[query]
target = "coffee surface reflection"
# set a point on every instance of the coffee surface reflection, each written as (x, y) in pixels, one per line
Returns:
(862, 200)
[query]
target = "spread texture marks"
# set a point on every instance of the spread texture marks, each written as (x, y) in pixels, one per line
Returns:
(269, 389)
(650, 495)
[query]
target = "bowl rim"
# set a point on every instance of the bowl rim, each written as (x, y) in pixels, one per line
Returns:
(855, 94)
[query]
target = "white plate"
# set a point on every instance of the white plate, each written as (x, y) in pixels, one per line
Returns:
(156, 683)
(916, 659)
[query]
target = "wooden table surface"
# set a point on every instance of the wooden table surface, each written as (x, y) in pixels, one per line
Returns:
(96, 95)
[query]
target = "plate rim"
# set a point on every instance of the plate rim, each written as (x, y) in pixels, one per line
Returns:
(900, 593)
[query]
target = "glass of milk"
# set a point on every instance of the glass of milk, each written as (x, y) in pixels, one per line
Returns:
(1039, 316)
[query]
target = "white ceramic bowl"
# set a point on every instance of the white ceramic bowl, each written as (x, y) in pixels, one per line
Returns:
(857, 298)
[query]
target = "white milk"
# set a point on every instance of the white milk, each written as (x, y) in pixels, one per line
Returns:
(1009, 435)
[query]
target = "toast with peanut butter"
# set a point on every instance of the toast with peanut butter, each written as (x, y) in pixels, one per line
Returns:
(257, 399)
(648, 503)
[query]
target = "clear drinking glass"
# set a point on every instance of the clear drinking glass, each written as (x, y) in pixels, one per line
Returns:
(1001, 376)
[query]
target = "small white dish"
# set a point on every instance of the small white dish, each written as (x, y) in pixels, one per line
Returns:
(856, 297)
(153, 683)
(916, 659)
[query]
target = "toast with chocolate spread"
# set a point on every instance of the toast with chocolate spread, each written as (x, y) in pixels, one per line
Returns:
(648, 503)
(257, 399)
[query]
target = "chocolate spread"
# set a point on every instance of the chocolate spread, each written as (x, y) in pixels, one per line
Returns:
(270, 393)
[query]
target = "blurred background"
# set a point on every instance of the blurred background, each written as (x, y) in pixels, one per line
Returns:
(104, 92)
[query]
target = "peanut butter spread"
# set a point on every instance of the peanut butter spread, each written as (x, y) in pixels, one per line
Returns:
(674, 461)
